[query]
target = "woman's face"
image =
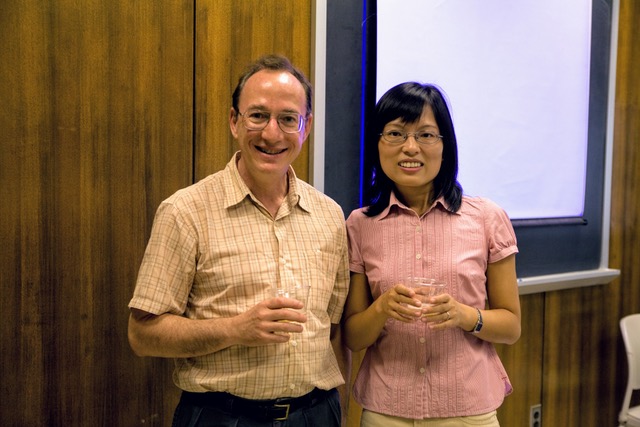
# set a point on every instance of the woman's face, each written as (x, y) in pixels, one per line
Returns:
(412, 166)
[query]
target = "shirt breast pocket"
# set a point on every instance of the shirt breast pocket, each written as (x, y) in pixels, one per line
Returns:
(319, 270)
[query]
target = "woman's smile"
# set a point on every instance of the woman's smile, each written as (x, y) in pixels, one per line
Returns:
(410, 164)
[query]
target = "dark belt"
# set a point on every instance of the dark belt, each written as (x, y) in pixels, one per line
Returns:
(261, 410)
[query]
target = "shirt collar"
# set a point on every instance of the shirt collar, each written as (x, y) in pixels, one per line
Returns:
(237, 190)
(394, 201)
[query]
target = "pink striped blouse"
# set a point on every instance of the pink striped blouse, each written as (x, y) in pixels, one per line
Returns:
(410, 371)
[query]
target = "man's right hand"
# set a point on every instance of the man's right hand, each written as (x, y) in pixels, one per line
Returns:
(270, 321)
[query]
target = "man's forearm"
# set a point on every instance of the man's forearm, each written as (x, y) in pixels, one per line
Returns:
(168, 335)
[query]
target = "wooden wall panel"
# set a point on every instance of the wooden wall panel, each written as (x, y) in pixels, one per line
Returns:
(23, 121)
(625, 210)
(96, 131)
(625, 202)
(523, 362)
(229, 35)
(579, 355)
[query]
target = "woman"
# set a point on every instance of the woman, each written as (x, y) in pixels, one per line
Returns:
(437, 364)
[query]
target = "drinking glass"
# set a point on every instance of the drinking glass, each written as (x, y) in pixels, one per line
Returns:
(425, 288)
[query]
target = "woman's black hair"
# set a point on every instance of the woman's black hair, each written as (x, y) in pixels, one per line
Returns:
(407, 101)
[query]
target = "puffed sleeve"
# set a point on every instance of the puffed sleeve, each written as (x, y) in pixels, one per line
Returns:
(499, 231)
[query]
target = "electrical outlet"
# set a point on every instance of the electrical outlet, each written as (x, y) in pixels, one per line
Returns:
(535, 416)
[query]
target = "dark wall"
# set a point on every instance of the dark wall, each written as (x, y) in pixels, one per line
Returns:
(344, 102)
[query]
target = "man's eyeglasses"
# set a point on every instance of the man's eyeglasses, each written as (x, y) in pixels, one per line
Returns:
(258, 120)
(397, 137)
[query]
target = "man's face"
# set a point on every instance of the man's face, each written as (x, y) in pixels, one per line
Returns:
(270, 151)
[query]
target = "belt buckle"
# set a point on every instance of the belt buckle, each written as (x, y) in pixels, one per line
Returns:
(286, 415)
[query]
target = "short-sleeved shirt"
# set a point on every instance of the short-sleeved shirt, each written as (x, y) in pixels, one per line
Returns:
(215, 252)
(411, 371)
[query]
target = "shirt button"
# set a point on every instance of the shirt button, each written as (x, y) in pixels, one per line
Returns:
(294, 343)
(418, 256)
(422, 370)
(292, 386)
(422, 340)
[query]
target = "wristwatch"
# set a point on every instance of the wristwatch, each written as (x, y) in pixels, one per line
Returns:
(479, 323)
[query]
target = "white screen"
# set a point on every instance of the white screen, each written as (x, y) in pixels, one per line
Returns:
(516, 74)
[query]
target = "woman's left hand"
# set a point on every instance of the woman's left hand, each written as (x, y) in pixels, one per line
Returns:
(444, 312)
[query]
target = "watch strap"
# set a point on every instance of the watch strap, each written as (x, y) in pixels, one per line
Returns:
(479, 323)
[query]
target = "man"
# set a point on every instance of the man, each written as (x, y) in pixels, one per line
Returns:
(219, 250)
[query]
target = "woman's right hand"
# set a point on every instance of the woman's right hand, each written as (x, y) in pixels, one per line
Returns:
(395, 303)
(365, 317)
